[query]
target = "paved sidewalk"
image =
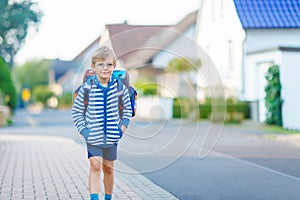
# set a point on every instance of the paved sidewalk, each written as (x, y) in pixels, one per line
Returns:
(47, 167)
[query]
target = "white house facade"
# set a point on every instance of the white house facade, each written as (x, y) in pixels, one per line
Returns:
(220, 35)
(178, 84)
(272, 37)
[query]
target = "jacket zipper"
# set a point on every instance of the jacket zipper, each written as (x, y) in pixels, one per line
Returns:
(105, 116)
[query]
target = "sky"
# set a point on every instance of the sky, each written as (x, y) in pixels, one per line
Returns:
(69, 26)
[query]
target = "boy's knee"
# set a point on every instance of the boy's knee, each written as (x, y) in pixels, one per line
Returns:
(108, 169)
(95, 164)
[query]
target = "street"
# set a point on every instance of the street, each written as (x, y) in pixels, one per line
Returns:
(244, 164)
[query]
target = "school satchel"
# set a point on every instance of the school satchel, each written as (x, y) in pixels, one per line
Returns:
(122, 77)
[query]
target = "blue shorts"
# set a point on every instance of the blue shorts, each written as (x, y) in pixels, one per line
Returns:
(108, 153)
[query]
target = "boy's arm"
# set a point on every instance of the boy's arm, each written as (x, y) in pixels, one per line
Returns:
(78, 113)
(127, 112)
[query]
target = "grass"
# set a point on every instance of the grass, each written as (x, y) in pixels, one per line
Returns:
(272, 129)
(278, 129)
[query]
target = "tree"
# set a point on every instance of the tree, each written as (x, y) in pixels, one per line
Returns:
(273, 96)
(7, 87)
(16, 18)
(146, 87)
(33, 73)
(182, 64)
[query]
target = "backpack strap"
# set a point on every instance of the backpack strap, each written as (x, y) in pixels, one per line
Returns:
(120, 94)
(120, 87)
(87, 88)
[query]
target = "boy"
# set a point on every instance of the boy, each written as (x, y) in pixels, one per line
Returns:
(100, 125)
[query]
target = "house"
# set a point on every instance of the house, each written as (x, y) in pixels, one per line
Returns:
(60, 73)
(220, 35)
(243, 38)
(143, 50)
(272, 30)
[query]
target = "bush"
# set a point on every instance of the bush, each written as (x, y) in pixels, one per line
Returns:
(234, 112)
(7, 87)
(239, 107)
(66, 100)
(150, 89)
(205, 110)
(273, 100)
(42, 94)
(181, 108)
(146, 87)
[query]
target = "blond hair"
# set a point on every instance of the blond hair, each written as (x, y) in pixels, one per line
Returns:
(103, 53)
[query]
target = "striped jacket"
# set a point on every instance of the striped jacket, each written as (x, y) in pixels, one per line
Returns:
(101, 124)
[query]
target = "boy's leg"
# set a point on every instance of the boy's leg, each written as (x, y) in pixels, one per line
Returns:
(94, 177)
(108, 171)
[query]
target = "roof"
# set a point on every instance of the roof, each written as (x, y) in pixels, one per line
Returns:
(82, 53)
(276, 48)
(60, 67)
(157, 37)
(126, 37)
(268, 13)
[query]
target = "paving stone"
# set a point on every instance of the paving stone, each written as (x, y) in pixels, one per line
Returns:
(34, 167)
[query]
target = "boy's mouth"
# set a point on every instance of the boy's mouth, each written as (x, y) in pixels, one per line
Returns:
(105, 73)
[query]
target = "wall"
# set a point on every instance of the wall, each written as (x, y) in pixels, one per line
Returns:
(221, 35)
(154, 107)
(176, 85)
(181, 47)
(258, 39)
(256, 67)
(261, 51)
(290, 81)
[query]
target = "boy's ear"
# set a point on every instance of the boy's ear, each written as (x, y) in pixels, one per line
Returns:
(93, 67)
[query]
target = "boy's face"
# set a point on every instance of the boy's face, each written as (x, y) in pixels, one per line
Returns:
(104, 68)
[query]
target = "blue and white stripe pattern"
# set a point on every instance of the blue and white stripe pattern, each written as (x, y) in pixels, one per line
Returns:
(101, 122)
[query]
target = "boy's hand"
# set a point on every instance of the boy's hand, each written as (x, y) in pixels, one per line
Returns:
(123, 129)
(85, 133)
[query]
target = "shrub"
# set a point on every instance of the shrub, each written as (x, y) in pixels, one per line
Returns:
(205, 110)
(42, 94)
(234, 112)
(150, 89)
(146, 87)
(239, 107)
(7, 87)
(181, 108)
(273, 96)
(66, 100)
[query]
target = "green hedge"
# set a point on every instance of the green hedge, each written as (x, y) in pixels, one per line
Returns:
(66, 100)
(239, 107)
(182, 108)
(205, 110)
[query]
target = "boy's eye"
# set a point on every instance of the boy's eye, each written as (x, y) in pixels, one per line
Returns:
(102, 65)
